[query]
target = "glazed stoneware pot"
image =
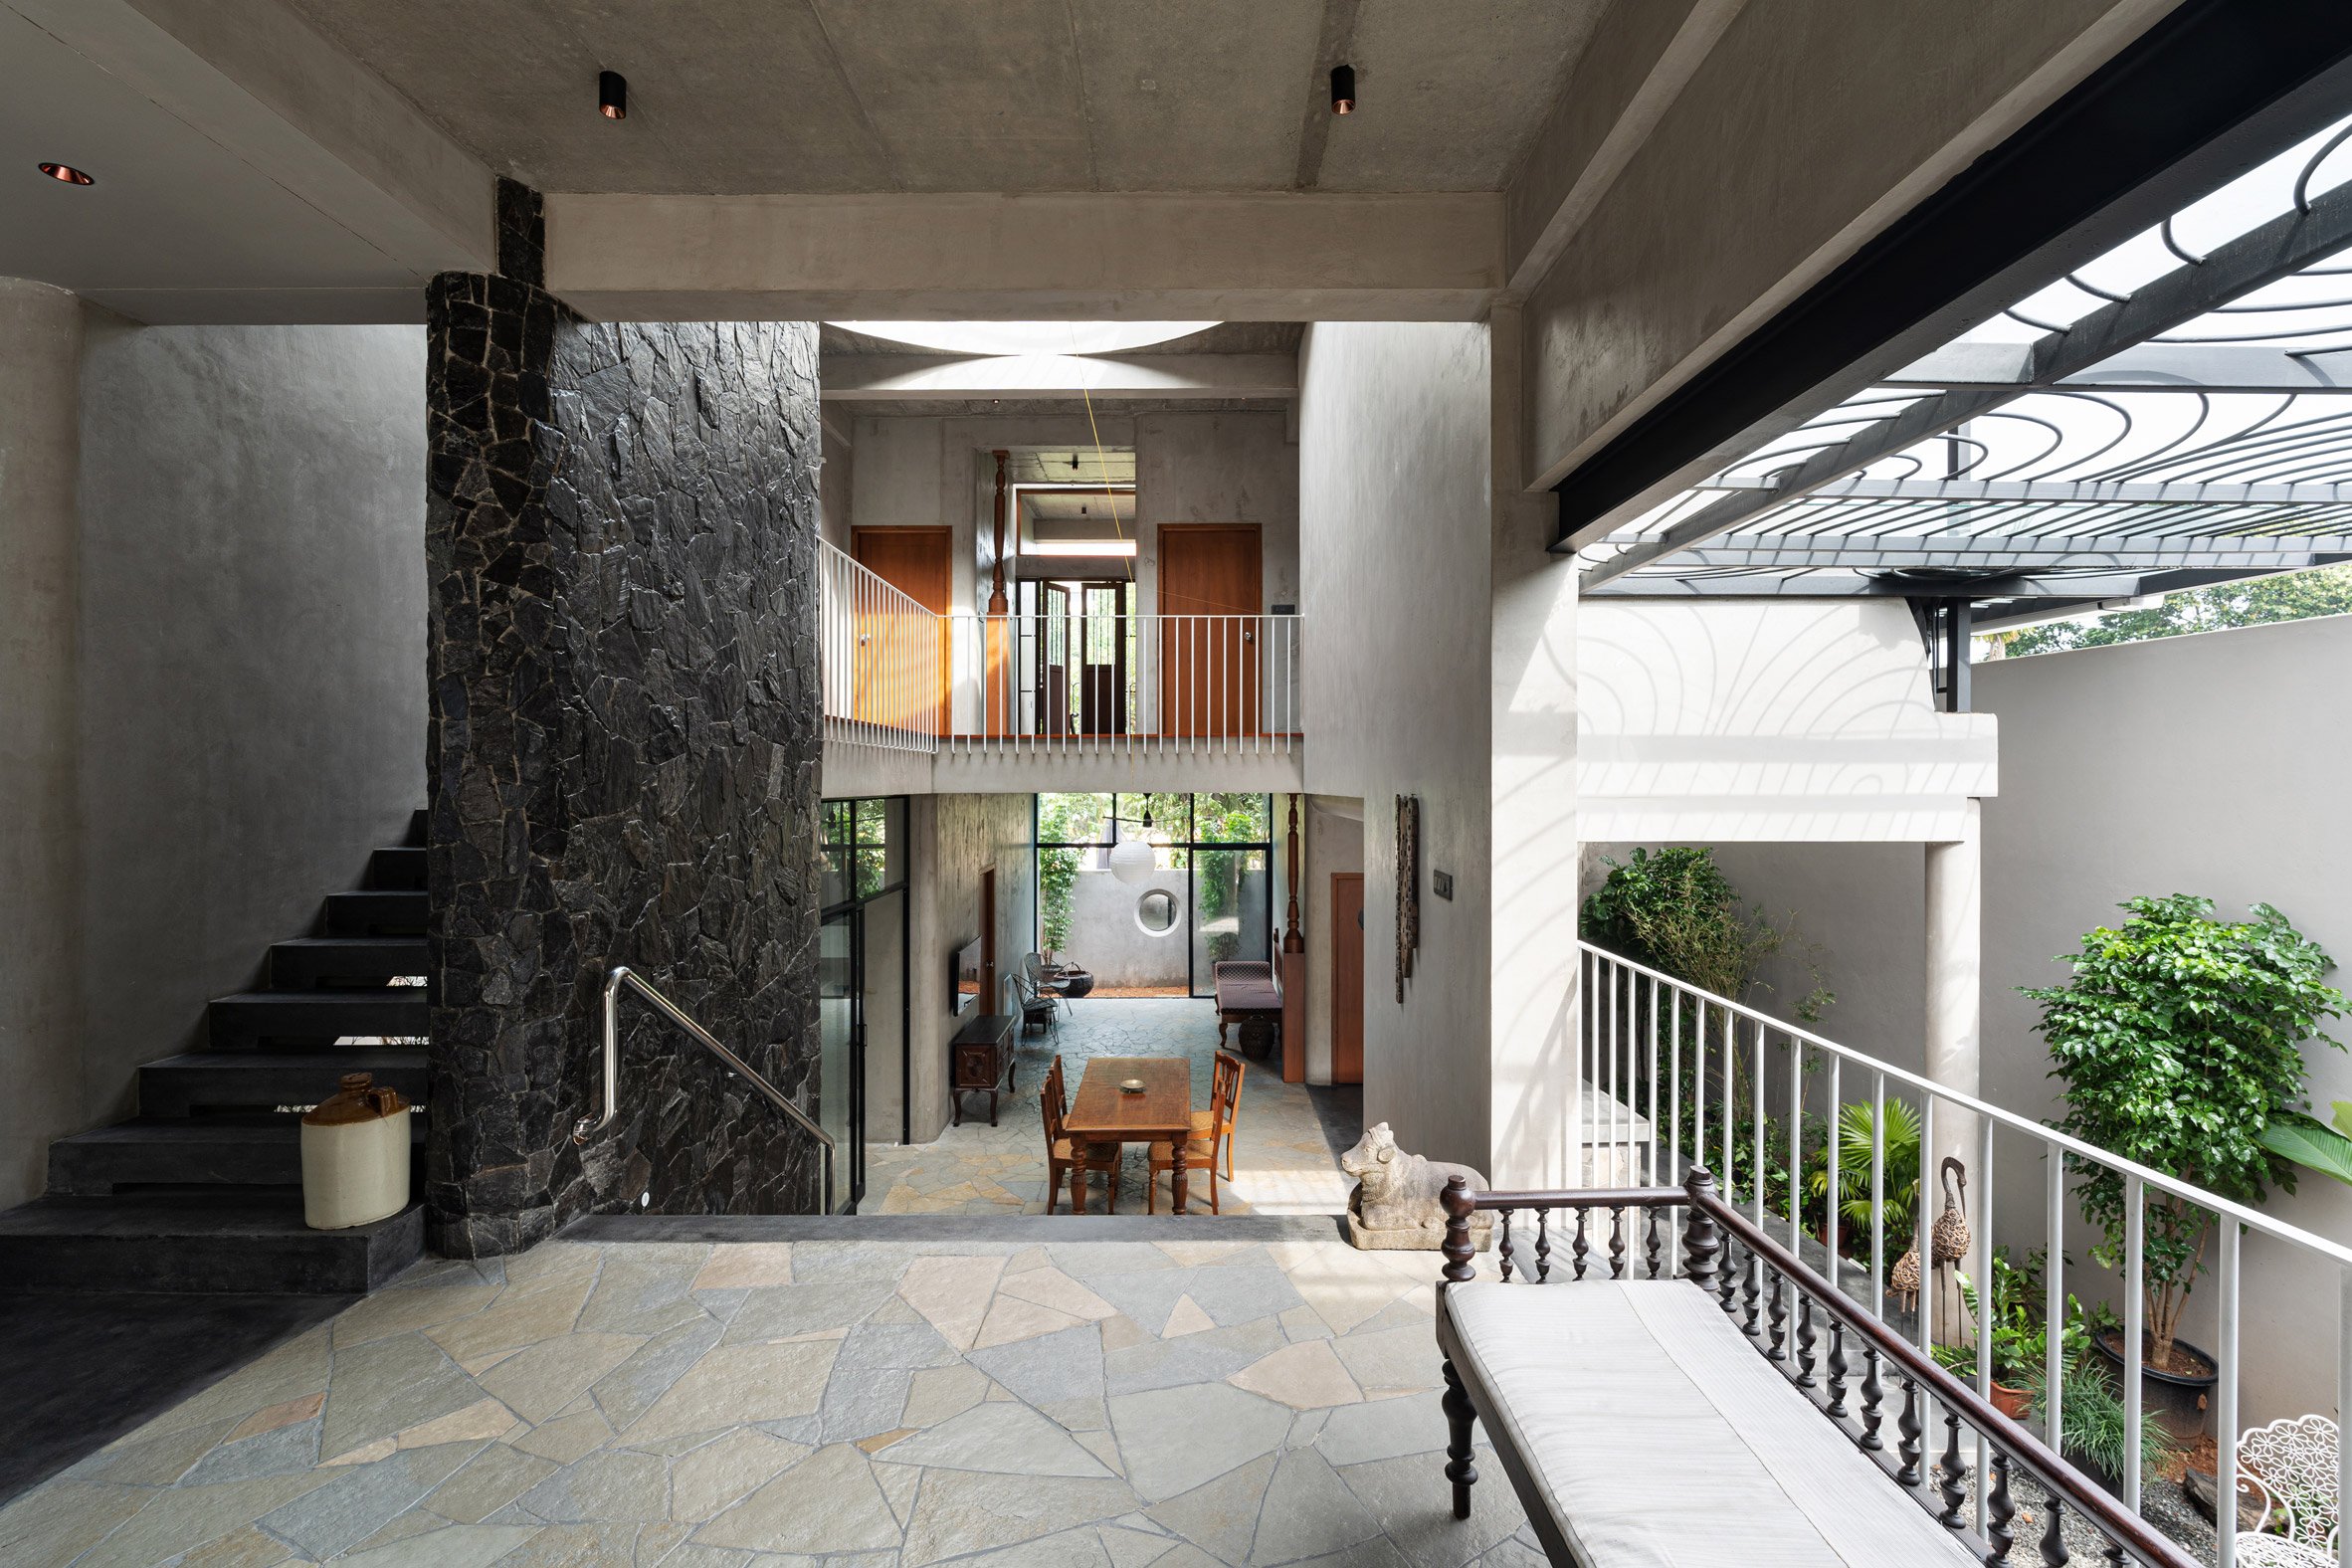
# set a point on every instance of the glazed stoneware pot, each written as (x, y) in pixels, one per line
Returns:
(2177, 1399)
(355, 1157)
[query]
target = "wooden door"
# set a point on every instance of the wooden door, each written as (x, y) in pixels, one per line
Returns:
(1211, 592)
(1347, 977)
(990, 998)
(903, 661)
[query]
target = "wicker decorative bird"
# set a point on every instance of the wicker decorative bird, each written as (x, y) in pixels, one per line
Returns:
(1952, 1227)
(1904, 1281)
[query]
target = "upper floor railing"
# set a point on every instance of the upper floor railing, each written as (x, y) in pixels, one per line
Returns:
(1673, 1077)
(884, 659)
(898, 675)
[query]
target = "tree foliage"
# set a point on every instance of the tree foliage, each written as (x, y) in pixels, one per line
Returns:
(2179, 1042)
(1676, 911)
(2287, 596)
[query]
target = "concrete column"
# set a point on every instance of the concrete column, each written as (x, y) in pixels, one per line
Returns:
(1533, 847)
(1955, 946)
(40, 917)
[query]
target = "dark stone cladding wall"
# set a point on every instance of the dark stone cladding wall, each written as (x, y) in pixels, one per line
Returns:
(622, 531)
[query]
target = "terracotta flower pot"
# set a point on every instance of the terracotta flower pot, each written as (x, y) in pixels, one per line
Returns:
(2011, 1402)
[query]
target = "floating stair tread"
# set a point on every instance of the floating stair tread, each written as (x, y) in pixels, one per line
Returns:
(273, 1078)
(228, 1213)
(211, 1130)
(395, 945)
(321, 996)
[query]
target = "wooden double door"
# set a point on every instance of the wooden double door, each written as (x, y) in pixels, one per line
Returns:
(1212, 598)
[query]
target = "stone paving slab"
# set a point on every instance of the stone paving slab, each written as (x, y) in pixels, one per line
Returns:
(1168, 1396)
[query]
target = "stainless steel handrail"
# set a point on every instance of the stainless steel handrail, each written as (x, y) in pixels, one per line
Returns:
(588, 1126)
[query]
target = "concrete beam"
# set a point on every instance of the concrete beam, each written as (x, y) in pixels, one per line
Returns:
(1629, 74)
(869, 377)
(253, 78)
(1075, 257)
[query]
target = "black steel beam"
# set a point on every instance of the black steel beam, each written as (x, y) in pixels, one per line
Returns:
(2202, 93)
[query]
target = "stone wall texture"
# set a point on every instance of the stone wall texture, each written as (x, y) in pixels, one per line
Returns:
(622, 532)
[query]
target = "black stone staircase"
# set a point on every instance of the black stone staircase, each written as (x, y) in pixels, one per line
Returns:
(202, 1191)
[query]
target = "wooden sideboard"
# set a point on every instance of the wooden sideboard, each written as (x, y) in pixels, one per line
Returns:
(980, 1061)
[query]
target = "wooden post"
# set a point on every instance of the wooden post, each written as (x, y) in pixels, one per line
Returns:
(997, 604)
(1292, 942)
(1292, 965)
(996, 707)
(1459, 1250)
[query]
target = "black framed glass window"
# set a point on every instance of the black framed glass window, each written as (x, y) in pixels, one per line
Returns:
(1205, 897)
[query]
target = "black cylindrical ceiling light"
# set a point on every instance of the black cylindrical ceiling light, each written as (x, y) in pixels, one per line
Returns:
(612, 94)
(1344, 89)
(67, 174)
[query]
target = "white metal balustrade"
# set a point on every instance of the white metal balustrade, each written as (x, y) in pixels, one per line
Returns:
(1671, 1077)
(884, 659)
(1133, 684)
(898, 675)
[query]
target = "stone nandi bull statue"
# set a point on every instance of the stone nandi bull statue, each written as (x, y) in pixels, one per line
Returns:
(1395, 1206)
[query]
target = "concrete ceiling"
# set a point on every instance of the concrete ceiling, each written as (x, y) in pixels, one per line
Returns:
(1226, 338)
(742, 97)
(985, 408)
(205, 207)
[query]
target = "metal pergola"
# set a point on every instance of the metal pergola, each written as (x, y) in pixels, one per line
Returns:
(2176, 412)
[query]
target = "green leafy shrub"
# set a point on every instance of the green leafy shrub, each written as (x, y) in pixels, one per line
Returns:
(2179, 1043)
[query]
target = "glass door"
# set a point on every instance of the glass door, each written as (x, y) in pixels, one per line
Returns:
(840, 1056)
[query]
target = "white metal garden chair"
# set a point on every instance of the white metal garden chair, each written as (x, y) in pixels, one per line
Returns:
(2292, 1463)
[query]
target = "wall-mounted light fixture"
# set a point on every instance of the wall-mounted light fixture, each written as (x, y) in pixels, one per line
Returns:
(1344, 89)
(612, 94)
(67, 174)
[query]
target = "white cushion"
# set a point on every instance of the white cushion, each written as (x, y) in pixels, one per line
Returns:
(1660, 1436)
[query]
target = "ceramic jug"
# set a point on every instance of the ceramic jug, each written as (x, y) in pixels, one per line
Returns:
(355, 1157)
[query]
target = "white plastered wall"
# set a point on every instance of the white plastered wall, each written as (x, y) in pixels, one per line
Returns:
(2209, 764)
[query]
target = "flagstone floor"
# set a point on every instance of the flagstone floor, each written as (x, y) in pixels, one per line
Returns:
(1285, 1156)
(884, 1404)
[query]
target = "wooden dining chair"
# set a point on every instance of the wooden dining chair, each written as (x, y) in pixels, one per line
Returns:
(1225, 1088)
(1066, 1154)
(1200, 1150)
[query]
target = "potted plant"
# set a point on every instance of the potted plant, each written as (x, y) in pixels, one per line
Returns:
(2011, 1329)
(2178, 1043)
(2096, 1434)
(1856, 1128)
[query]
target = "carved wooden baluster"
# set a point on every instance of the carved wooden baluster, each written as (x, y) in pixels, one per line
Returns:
(1907, 1447)
(1503, 1250)
(1583, 1246)
(2053, 1535)
(1805, 1377)
(1727, 1286)
(1702, 1239)
(1462, 1253)
(1617, 1244)
(1874, 1400)
(1778, 1317)
(1837, 1366)
(2000, 1508)
(1951, 1473)
(2114, 1553)
(1652, 1244)
(1543, 1247)
(1749, 1292)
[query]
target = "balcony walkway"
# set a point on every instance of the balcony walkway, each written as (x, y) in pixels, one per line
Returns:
(1172, 1400)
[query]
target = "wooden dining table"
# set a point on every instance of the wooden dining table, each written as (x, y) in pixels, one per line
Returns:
(1102, 1112)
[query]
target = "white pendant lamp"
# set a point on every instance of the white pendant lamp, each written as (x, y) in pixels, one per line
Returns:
(1133, 859)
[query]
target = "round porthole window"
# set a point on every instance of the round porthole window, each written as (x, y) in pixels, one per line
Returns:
(1156, 913)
